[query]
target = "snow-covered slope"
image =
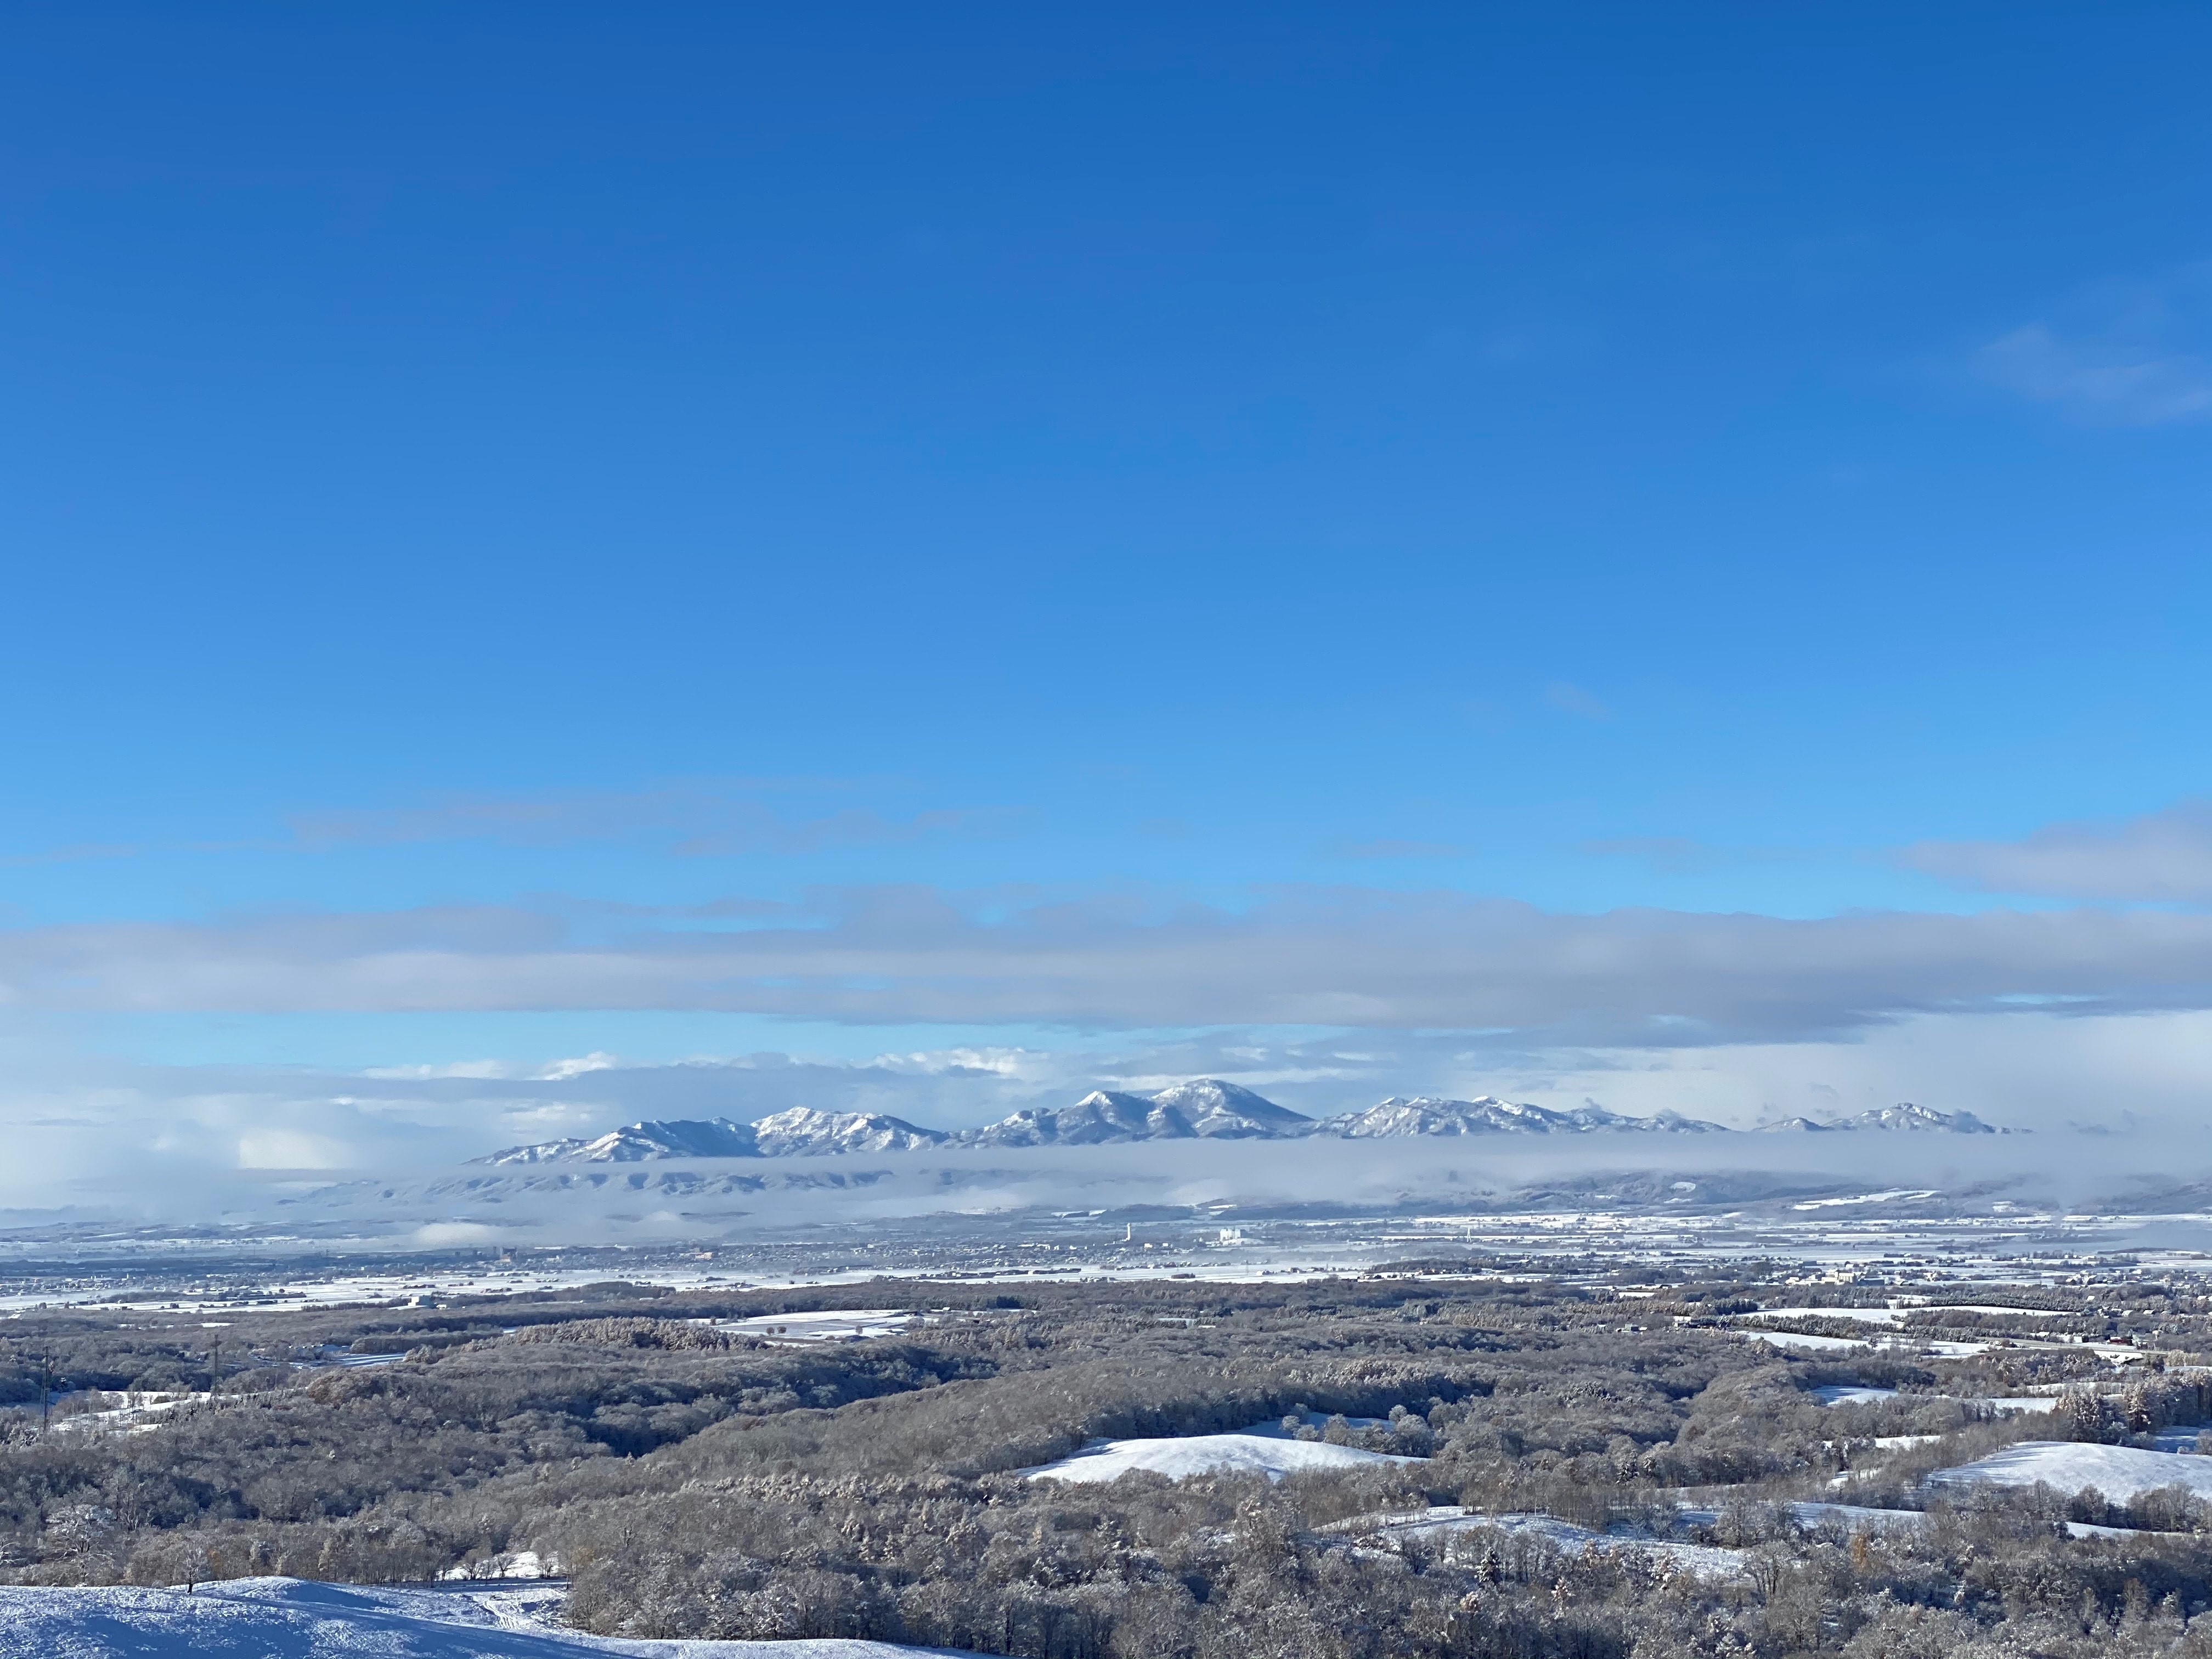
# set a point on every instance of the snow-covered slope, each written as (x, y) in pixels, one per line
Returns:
(1923, 1120)
(1205, 1109)
(1100, 1115)
(1424, 1114)
(288, 1618)
(1216, 1110)
(636, 1142)
(1271, 1455)
(802, 1131)
(2121, 1473)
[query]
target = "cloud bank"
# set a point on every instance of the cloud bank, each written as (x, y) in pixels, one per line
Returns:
(1301, 956)
(2160, 856)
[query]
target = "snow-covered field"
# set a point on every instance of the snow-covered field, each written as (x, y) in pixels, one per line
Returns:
(2121, 1473)
(1264, 1449)
(287, 1618)
(1844, 1394)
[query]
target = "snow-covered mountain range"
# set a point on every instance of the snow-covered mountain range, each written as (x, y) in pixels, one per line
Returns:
(1206, 1109)
(1423, 1116)
(1905, 1115)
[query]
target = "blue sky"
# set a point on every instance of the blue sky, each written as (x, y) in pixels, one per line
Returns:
(501, 502)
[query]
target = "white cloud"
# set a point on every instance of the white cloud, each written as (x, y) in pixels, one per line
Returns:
(2105, 380)
(1570, 699)
(98, 1132)
(293, 1149)
(2160, 856)
(2126, 354)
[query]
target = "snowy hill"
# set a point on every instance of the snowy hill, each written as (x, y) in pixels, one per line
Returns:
(1905, 1115)
(288, 1618)
(1423, 1115)
(2121, 1473)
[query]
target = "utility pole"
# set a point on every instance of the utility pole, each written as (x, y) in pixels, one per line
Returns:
(45, 1392)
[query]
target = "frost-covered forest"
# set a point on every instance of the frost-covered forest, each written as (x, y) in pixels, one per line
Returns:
(1591, 1467)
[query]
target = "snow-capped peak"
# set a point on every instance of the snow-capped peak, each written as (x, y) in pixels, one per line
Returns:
(802, 1131)
(1207, 1109)
(637, 1142)
(1426, 1114)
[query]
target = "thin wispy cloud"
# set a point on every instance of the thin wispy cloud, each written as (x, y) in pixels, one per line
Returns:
(1671, 856)
(696, 822)
(2163, 856)
(71, 854)
(1680, 855)
(1570, 699)
(1388, 848)
(2100, 379)
(2123, 355)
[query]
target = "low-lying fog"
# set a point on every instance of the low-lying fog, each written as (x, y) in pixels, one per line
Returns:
(1803, 1180)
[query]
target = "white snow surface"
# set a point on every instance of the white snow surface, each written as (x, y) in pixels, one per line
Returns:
(290, 1618)
(1260, 1450)
(1844, 1394)
(2121, 1473)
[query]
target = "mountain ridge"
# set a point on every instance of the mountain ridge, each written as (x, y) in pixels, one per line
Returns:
(1204, 1108)
(1905, 1117)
